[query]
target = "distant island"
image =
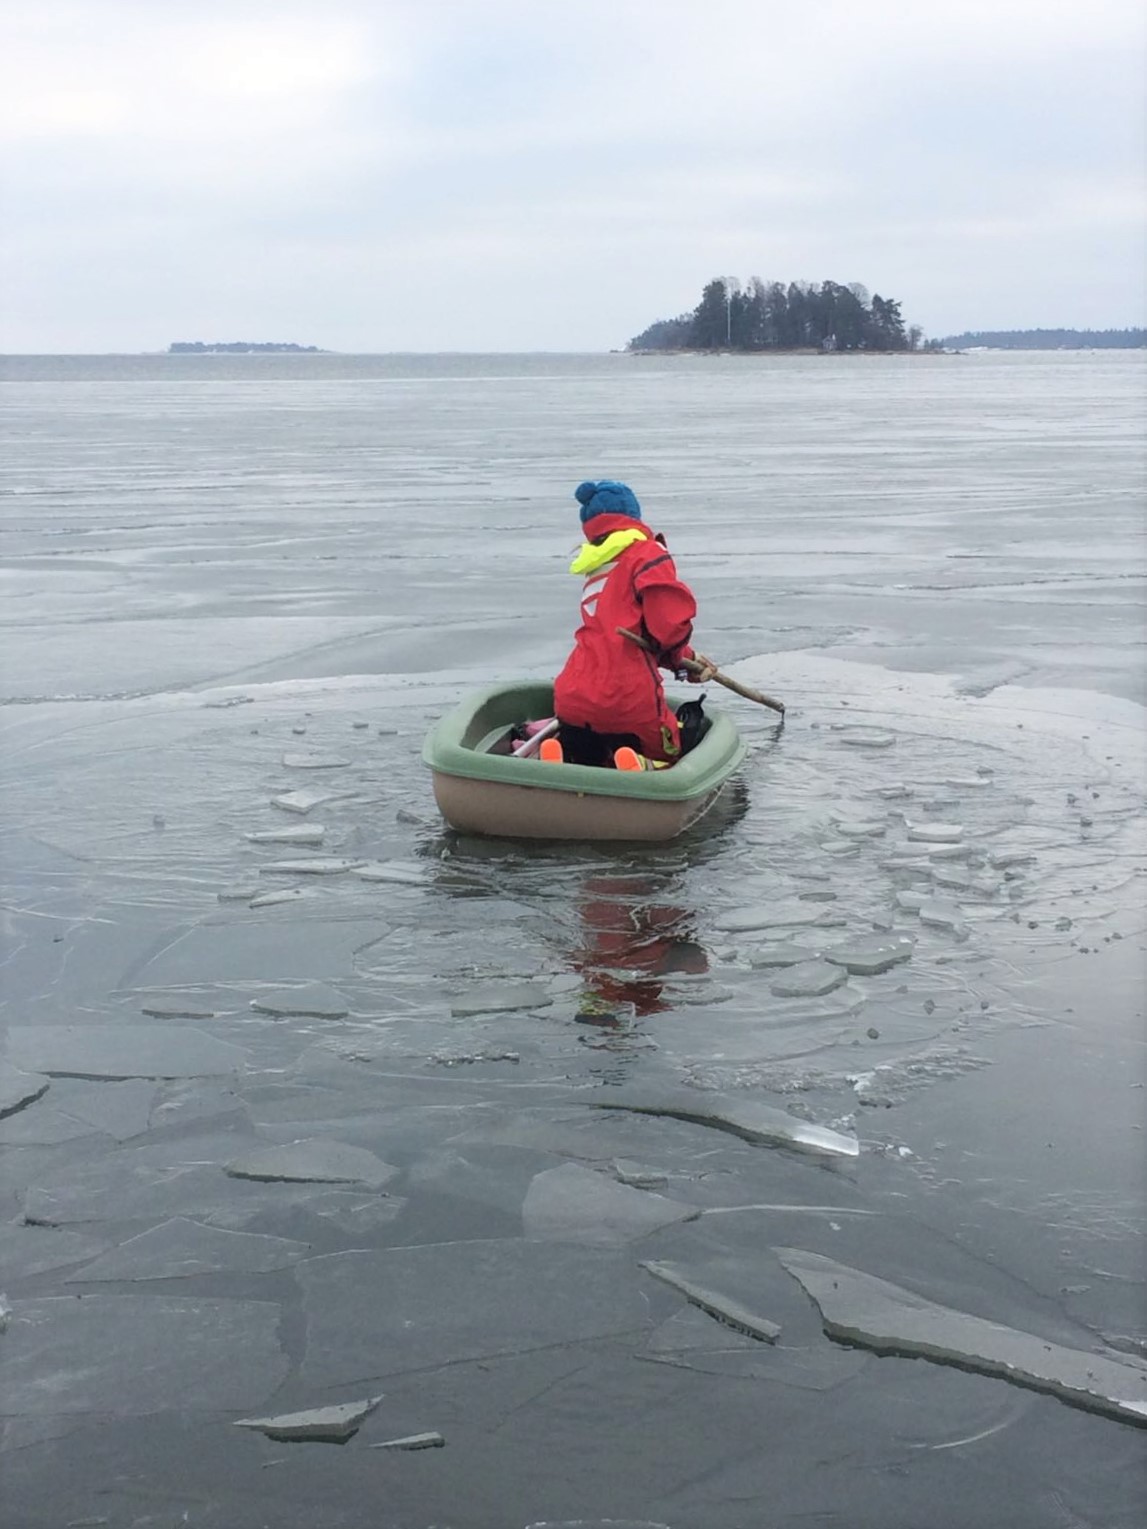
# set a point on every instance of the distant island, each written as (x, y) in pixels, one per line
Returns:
(1048, 339)
(237, 347)
(773, 316)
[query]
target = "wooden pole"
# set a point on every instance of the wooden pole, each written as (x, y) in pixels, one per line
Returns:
(691, 666)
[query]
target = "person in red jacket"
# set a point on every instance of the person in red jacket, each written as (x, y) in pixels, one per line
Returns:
(609, 696)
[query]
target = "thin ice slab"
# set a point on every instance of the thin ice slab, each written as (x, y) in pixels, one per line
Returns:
(942, 913)
(865, 737)
(122, 1110)
(313, 1161)
(500, 998)
(788, 914)
(325, 1425)
(761, 1124)
(400, 873)
(313, 1000)
(283, 895)
(305, 833)
(859, 1308)
(413, 1441)
(935, 833)
(575, 1204)
(180, 1248)
(865, 958)
(320, 865)
(18, 1089)
(129, 1355)
(302, 802)
(121, 1051)
(393, 1310)
(809, 979)
(312, 759)
(723, 1307)
(781, 955)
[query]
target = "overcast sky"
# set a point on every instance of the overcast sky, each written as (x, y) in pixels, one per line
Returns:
(373, 175)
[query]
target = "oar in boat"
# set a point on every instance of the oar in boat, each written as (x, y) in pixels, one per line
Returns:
(691, 666)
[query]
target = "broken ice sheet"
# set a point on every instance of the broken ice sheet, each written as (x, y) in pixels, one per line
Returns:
(305, 833)
(302, 802)
(809, 979)
(941, 913)
(313, 1161)
(789, 914)
(121, 1051)
(859, 1308)
(867, 957)
(285, 895)
(19, 1089)
(935, 833)
(329, 865)
(28, 1250)
(403, 873)
(398, 1309)
(761, 1124)
(413, 1441)
(499, 998)
(179, 1248)
(575, 1204)
(328, 1425)
(781, 954)
(128, 1355)
(312, 1000)
(312, 759)
(725, 1308)
(122, 1110)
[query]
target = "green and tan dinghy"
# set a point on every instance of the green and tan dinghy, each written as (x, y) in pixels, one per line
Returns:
(483, 788)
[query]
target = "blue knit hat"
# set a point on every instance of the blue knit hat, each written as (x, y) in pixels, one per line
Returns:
(606, 498)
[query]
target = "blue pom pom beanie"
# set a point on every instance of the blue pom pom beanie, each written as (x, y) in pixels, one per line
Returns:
(606, 498)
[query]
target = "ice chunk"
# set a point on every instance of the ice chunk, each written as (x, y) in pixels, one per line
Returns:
(179, 1248)
(861, 828)
(28, 1250)
(413, 1441)
(940, 913)
(865, 737)
(935, 833)
(313, 1161)
(314, 1000)
(305, 833)
(500, 998)
(311, 759)
(122, 1110)
(129, 1355)
(303, 802)
(239, 892)
(285, 895)
(637, 1176)
(782, 954)
(761, 1124)
(395, 1310)
(175, 1008)
(867, 957)
(321, 865)
(1006, 860)
(575, 1204)
(894, 793)
(809, 979)
(328, 1425)
(792, 914)
(912, 901)
(859, 1308)
(403, 873)
(19, 1089)
(723, 1307)
(121, 1051)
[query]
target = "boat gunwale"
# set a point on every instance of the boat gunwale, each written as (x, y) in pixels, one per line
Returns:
(704, 769)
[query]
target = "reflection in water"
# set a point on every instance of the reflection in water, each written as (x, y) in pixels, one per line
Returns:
(630, 943)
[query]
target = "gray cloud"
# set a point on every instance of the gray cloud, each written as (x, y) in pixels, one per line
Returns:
(521, 174)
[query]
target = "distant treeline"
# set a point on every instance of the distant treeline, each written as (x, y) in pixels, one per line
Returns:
(1049, 339)
(200, 347)
(772, 316)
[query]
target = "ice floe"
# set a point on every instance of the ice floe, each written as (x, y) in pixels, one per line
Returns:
(413, 1441)
(809, 979)
(19, 1089)
(500, 998)
(724, 1308)
(575, 1204)
(308, 833)
(759, 1123)
(860, 1308)
(313, 1161)
(866, 958)
(121, 1051)
(312, 759)
(179, 1248)
(321, 865)
(312, 1000)
(326, 1425)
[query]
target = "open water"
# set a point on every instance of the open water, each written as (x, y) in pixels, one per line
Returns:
(230, 579)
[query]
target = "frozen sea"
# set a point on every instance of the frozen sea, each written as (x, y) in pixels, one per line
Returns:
(300, 1095)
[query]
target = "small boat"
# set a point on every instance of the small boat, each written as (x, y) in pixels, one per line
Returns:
(483, 788)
